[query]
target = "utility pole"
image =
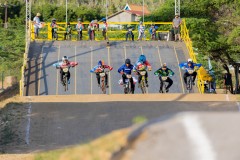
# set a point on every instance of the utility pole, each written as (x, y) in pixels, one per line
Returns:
(6, 5)
(177, 7)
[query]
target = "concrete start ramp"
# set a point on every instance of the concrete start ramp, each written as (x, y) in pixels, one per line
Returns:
(41, 78)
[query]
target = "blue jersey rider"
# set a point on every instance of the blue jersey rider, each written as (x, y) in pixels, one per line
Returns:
(189, 65)
(142, 65)
(127, 69)
(164, 72)
(99, 69)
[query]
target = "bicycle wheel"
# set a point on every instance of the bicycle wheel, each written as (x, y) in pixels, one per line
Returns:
(143, 88)
(189, 84)
(65, 83)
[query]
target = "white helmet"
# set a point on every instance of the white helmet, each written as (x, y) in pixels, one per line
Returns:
(64, 58)
(190, 60)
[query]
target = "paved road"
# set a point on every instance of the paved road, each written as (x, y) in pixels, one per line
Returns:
(43, 79)
(56, 125)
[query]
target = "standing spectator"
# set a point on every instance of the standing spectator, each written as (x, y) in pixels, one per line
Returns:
(176, 26)
(79, 28)
(68, 32)
(129, 32)
(227, 78)
(36, 23)
(141, 29)
(91, 30)
(153, 32)
(54, 28)
(104, 28)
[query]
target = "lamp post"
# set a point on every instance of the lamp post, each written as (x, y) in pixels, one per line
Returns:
(66, 12)
(143, 12)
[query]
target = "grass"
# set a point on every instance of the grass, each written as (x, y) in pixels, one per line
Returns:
(139, 119)
(99, 149)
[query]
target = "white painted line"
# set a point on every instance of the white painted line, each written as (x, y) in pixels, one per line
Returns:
(75, 71)
(109, 75)
(202, 147)
(91, 68)
(28, 123)
(40, 72)
(227, 97)
(179, 70)
(238, 104)
(125, 52)
(57, 70)
(159, 55)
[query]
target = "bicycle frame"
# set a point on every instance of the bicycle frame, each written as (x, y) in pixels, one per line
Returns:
(142, 82)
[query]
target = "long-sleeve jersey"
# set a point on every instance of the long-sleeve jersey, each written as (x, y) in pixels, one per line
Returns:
(164, 73)
(185, 66)
(62, 65)
(99, 68)
(139, 66)
(125, 69)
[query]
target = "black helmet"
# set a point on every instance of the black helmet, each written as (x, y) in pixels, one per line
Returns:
(127, 61)
(68, 23)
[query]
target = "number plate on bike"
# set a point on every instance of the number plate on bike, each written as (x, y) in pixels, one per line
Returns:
(65, 70)
(143, 73)
(129, 76)
(190, 71)
(164, 78)
(102, 74)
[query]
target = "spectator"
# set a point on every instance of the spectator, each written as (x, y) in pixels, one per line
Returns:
(176, 26)
(68, 32)
(141, 29)
(54, 28)
(227, 77)
(129, 32)
(91, 30)
(37, 25)
(153, 32)
(79, 28)
(104, 28)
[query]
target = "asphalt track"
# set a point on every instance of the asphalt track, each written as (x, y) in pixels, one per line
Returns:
(41, 78)
(56, 125)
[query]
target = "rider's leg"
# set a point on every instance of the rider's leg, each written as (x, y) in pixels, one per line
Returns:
(194, 76)
(185, 77)
(61, 76)
(98, 78)
(146, 78)
(161, 84)
(68, 77)
(170, 82)
(106, 80)
(124, 77)
(132, 85)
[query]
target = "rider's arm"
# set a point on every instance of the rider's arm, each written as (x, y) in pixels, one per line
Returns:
(157, 72)
(183, 65)
(148, 65)
(121, 69)
(170, 72)
(197, 65)
(94, 69)
(57, 65)
(109, 67)
(73, 64)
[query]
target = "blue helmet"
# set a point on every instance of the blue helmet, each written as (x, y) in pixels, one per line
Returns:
(100, 63)
(142, 58)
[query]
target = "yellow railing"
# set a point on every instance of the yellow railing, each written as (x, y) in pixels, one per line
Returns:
(114, 33)
(202, 73)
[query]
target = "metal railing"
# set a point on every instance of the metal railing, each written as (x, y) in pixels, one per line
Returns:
(116, 30)
(188, 42)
